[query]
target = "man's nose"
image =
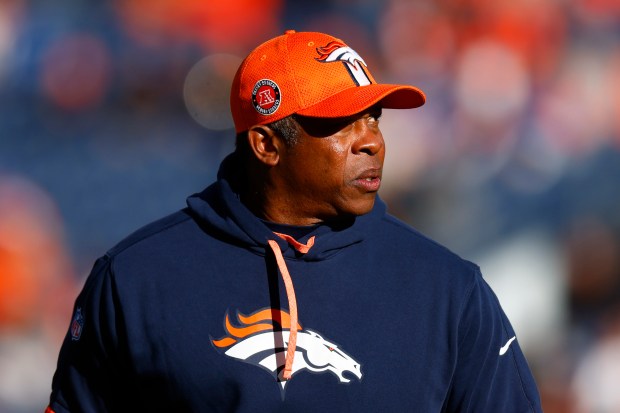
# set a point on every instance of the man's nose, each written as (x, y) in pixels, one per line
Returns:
(369, 138)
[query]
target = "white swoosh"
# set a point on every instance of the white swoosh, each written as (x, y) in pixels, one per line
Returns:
(504, 349)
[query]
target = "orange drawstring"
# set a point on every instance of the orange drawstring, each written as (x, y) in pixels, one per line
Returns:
(290, 295)
(303, 248)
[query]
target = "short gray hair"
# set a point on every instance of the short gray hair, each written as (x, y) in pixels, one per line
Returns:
(288, 129)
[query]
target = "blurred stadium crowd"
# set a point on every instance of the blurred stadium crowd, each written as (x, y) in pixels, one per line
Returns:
(112, 112)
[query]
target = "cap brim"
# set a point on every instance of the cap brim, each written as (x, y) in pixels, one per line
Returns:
(357, 99)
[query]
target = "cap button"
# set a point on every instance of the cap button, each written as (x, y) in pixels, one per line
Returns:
(289, 32)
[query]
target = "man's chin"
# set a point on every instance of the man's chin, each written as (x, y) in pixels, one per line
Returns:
(362, 207)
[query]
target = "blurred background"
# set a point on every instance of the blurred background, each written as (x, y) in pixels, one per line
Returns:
(113, 112)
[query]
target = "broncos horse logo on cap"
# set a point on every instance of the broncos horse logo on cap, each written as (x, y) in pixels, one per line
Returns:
(262, 340)
(338, 51)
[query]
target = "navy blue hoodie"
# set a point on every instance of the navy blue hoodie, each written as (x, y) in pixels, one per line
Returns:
(190, 314)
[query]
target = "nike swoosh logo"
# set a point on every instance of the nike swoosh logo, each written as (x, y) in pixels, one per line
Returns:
(504, 349)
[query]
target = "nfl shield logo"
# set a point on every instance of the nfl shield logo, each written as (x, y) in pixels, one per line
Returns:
(77, 324)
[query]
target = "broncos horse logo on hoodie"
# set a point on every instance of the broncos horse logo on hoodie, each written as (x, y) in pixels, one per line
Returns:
(262, 340)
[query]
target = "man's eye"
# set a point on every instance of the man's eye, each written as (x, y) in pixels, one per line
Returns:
(374, 117)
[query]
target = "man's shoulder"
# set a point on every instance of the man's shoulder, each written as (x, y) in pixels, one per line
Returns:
(401, 231)
(422, 246)
(157, 231)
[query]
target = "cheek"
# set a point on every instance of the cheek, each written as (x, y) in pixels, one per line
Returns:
(330, 163)
(338, 157)
(337, 147)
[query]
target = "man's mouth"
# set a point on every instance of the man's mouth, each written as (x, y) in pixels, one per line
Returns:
(370, 181)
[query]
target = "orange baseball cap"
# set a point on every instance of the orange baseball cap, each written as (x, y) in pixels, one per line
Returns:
(310, 74)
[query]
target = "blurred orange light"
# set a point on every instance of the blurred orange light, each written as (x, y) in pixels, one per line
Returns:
(218, 25)
(75, 71)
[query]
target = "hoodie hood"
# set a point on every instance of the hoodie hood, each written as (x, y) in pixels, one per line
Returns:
(219, 207)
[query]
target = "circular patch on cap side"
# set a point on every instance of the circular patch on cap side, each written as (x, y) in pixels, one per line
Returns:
(266, 96)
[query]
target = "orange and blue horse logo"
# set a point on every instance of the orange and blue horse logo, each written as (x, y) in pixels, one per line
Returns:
(339, 52)
(262, 339)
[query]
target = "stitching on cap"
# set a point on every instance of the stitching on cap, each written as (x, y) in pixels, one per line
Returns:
(294, 76)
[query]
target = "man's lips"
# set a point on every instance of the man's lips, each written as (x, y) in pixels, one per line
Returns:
(369, 180)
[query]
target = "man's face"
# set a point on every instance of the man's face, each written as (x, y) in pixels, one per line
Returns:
(335, 168)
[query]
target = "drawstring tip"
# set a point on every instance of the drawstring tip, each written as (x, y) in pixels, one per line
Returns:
(287, 374)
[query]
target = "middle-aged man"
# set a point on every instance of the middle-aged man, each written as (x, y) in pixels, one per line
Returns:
(285, 286)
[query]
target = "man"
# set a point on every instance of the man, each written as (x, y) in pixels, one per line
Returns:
(285, 286)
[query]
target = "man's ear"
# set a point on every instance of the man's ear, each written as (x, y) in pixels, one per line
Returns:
(265, 144)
